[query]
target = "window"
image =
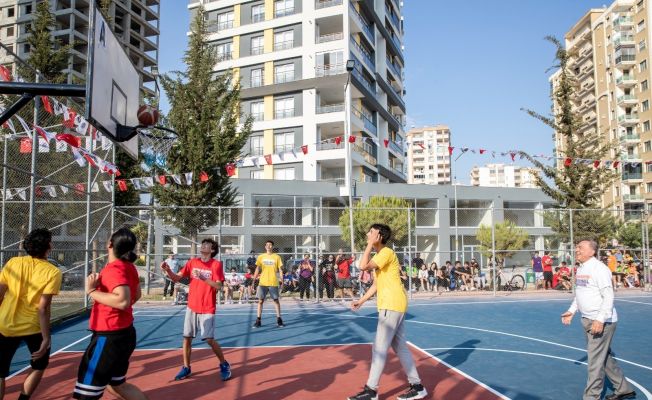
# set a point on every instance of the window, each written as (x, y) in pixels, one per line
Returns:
(258, 13)
(330, 63)
(648, 146)
(11, 12)
(283, 142)
(284, 174)
(28, 9)
(256, 145)
(284, 108)
(642, 66)
(645, 105)
(284, 73)
(648, 167)
(641, 45)
(283, 7)
(225, 21)
(257, 77)
(258, 110)
(640, 26)
(10, 31)
(224, 51)
(257, 45)
(283, 40)
(26, 48)
(646, 126)
(258, 174)
(644, 85)
(648, 187)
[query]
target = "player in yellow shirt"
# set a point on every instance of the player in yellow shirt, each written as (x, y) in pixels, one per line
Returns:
(269, 267)
(27, 285)
(392, 306)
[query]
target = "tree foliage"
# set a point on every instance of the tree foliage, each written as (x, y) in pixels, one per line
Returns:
(391, 211)
(508, 239)
(205, 114)
(630, 235)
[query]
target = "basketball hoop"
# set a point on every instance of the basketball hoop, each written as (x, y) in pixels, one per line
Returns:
(155, 144)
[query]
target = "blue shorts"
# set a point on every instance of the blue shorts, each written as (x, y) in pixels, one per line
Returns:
(262, 291)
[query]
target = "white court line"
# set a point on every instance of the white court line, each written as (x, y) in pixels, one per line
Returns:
(641, 388)
(467, 376)
(250, 347)
(637, 302)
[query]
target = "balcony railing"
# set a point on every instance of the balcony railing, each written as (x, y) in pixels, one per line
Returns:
(288, 44)
(214, 26)
(366, 152)
(283, 77)
(624, 39)
(282, 12)
(287, 113)
(364, 53)
(257, 82)
(330, 37)
(330, 145)
(258, 116)
(329, 70)
(330, 108)
(632, 176)
(394, 68)
(256, 151)
(633, 197)
(625, 97)
(363, 80)
(365, 26)
(623, 21)
(257, 50)
(282, 148)
(625, 79)
(633, 136)
(396, 41)
(394, 146)
(326, 3)
(366, 120)
(628, 117)
(631, 157)
(392, 17)
(258, 17)
(625, 58)
(225, 56)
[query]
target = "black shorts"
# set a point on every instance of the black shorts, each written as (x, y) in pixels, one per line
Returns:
(9, 345)
(105, 362)
(547, 276)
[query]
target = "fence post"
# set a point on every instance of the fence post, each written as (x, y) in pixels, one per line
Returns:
(219, 232)
(87, 235)
(493, 246)
(572, 249)
(148, 257)
(409, 252)
(32, 179)
(4, 194)
(317, 251)
(647, 271)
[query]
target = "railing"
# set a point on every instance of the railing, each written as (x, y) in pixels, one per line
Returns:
(283, 77)
(283, 12)
(365, 26)
(394, 146)
(632, 175)
(330, 108)
(214, 26)
(623, 38)
(366, 152)
(621, 21)
(258, 17)
(633, 197)
(319, 4)
(363, 80)
(257, 50)
(258, 82)
(631, 157)
(366, 121)
(330, 145)
(394, 68)
(257, 151)
(330, 37)
(396, 41)
(625, 79)
(625, 97)
(625, 58)
(287, 113)
(364, 53)
(393, 18)
(225, 56)
(329, 70)
(633, 136)
(282, 148)
(258, 116)
(628, 117)
(288, 44)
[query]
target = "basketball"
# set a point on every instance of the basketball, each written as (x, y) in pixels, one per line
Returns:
(147, 115)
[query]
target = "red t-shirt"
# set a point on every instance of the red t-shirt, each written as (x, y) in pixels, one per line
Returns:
(555, 280)
(201, 296)
(106, 318)
(547, 263)
(343, 269)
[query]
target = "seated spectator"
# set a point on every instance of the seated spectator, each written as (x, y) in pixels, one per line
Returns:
(432, 276)
(632, 278)
(289, 281)
(442, 281)
(560, 281)
(423, 277)
(404, 279)
(233, 282)
(248, 284)
(479, 276)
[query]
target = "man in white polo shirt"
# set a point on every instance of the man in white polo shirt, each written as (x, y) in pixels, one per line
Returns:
(594, 299)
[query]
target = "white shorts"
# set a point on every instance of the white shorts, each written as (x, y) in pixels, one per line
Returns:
(538, 276)
(202, 324)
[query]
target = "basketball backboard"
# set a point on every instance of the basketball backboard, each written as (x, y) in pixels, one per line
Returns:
(113, 84)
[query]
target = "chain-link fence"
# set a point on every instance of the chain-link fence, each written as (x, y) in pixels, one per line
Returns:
(533, 248)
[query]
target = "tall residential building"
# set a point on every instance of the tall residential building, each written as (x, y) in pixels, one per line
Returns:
(428, 158)
(501, 175)
(290, 58)
(135, 23)
(612, 68)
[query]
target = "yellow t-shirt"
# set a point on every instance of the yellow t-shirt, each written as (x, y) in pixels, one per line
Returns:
(270, 265)
(27, 279)
(391, 294)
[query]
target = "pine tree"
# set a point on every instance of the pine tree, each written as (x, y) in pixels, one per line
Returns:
(578, 185)
(205, 113)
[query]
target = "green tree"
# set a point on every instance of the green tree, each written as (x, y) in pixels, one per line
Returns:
(578, 185)
(205, 114)
(630, 235)
(508, 239)
(391, 211)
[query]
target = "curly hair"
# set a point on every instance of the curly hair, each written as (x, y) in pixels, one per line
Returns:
(37, 243)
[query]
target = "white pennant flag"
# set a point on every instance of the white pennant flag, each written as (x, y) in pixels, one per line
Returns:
(59, 108)
(188, 176)
(78, 157)
(95, 188)
(61, 146)
(107, 186)
(26, 127)
(177, 179)
(64, 189)
(43, 145)
(8, 194)
(106, 143)
(10, 125)
(82, 125)
(148, 181)
(51, 189)
(22, 193)
(136, 183)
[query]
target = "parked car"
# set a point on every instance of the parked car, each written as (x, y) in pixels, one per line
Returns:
(72, 277)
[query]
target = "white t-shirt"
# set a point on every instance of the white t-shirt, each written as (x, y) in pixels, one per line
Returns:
(423, 274)
(173, 264)
(234, 279)
(594, 293)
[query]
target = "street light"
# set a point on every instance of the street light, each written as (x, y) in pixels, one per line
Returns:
(350, 65)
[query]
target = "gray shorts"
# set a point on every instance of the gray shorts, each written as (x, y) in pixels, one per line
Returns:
(344, 283)
(262, 291)
(202, 325)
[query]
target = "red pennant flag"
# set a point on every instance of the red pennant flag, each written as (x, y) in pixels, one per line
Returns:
(450, 150)
(70, 122)
(568, 162)
(79, 187)
(230, 169)
(338, 140)
(304, 149)
(351, 139)
(203, 176)
(482, 151)
(616, 164)
(46, 104)
(513, 155)
(5, 74)
(268, 158)
(25, 145)
(38, 191)
(91, 159)
(122, 185)
(596, 164)
(161, 179)
(72, 140)
(386, 142)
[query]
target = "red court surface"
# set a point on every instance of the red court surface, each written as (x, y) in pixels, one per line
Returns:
(311, 372)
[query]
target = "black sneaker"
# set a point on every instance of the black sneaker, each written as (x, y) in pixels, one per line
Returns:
(279, 322)
(366, 394)
(416, 391)
(257, 324)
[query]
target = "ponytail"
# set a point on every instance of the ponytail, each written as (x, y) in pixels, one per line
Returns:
(123, 242)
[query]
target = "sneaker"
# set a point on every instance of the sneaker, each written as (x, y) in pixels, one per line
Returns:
(225, 371)
(279, 322)
(366, 394)
(183, 374)
(257, 324)
(416, 391)
(163, 297)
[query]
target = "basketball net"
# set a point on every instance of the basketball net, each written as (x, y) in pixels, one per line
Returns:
(155, 145)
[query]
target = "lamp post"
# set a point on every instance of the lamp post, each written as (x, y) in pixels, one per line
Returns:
(350, 64)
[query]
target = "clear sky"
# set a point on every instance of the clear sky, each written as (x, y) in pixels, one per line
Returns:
(471, 65)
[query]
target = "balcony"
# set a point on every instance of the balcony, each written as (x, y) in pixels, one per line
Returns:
(366, 28)
(633, 198)
(631, 138)
(362, 79)
(395, 147)
(288, 44)
(368, 124)
(366, 56)
(628, 119)
(625, 60)
(283, 12)
(283, 77)
(329, 70)
(623, 23)
(626, 81)
(393, 18)
(330, 108)
(632, 176)
(329, 144)
(214, 26)
(631, 157)
(330, 37)
(256, 82)
(366, 151)
(224, 56)
(395, 70)
(257, 50)
(627, 99)
(319, 4)
(624, 40)
(287, 113)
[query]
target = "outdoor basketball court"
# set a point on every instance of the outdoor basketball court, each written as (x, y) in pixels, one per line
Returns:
(466, 348)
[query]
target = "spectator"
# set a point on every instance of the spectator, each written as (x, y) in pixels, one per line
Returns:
(248, 284)
(289, 281)
(479, 276)
(329, 262)
(546, 262)
(442, 282)
(452, 275)
(330, 281)
(423, 277)
(619, 256)
(251, 260)
(233, 283)
(344, 276)
(632, 278)
(305, 277)
(612, 263)
(172, 262)
(537, 268)
(417, 261)
(404, 278)
(366, 279)
(432, 276)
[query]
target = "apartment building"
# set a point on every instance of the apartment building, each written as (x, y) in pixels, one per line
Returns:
(612, 68)
(501, 175)
(428, 158)
(135, 23)
(290, 57)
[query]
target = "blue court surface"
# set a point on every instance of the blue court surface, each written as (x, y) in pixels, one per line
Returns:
(515, 347)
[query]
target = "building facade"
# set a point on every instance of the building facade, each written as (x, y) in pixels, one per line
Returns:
(611, 65)
(134, 22)
(428, 158)
(501, 175)
(290, 59)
